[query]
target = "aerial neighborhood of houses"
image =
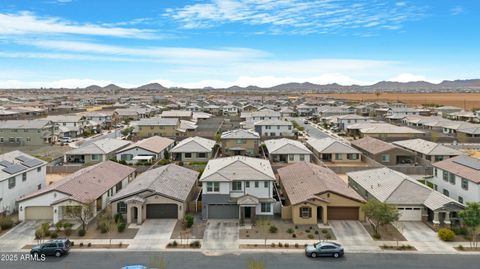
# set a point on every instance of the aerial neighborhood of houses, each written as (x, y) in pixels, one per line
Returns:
(177, 166)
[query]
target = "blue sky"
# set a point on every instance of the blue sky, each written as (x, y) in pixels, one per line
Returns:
(75, 43)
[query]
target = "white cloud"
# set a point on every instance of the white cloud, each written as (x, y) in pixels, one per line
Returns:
(297, 16)
(408, 77)
(26, 23)
(456, 10)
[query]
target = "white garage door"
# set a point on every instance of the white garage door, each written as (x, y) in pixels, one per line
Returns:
(410, 213)
(38, 213)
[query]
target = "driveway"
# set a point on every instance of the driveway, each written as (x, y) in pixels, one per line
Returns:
(352, 235)
(221, 235)
(18, 236)
(153, 234)
(423, 238)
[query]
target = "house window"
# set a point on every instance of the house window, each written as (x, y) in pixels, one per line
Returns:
(188, 155)
(305, 212)
(385, 158)
(95, 157)
(118, 187)
(247, 184)
(241, 141)
(39, 186)
(435, 172)
(302, 157)
(338, 156)
(201, 155)
(39, 169)
(289, 127)
(213, 186)
(236, 186)
(24, 176)
(446, 192)
(126, 157)
(1, 139)
(291, 157)
(460, 199)
(256, 184)
(445, 175)
(464, 184)
(121, 208)
(11, 183)
(265, 184)
(452, 178)
(265, 207)
(352, 156)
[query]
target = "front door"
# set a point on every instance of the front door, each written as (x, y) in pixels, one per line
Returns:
(248, 212)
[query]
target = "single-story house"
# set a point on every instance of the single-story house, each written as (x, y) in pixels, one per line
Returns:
(414, 200)
(428, 150)
(193, 149)
(160, 193)
(331, 150)
(95, 152)
(149, 149)
(287, 150)
(315, 194)
(92, 186)
(383, 152)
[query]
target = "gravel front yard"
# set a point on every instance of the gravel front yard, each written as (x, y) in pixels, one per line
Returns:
(285, 229)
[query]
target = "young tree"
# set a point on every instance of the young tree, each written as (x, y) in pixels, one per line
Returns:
(107, 223)
(264, 225)
(166, 155)
(471, 219)
(83, 213)
(380, 214)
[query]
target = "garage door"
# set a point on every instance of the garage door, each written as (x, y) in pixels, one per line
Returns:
(410, 213)
(223, 212)
(342, 213)
(38, 213)
(162, 211)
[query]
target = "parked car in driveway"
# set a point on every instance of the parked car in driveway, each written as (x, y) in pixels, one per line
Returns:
(57, 247)
(324, 249)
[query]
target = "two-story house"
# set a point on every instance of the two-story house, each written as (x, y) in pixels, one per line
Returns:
(287, 151)
(104, 119)
(166, 127)
(458, 178)
(237, 187)
(240, 142)
(69, 125)
(193, 149)
(28, 132)
(20, 174)
(274, 128)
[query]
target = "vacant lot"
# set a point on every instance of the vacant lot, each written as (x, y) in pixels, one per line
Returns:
(464, 100)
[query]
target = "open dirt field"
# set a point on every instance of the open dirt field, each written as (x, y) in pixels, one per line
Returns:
(464, 100)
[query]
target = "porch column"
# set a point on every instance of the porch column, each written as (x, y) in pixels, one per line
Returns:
(436, 218)
(139, 215)
(242, 215)
(447, 218)
(129, 213)
(324, 215)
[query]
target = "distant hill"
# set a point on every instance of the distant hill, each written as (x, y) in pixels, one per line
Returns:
(112, 87)
(152, 86)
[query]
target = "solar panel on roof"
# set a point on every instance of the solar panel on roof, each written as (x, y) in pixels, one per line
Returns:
(22, 158)
(13, 169)
(5, 163)
(474, 164)
(32, 162)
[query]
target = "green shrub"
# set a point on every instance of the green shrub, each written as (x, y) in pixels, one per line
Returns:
(81, 232)
(460, 230)
(296, 245)
(376, 236)
(272, 245)
(89, 244)
(294, 235)
(460, 247)
(290, 230)
(121, 226)
(280, 245)
(310, 236)
(195, 244)
(123, 162)
(53, 235)
(118, 217)
(273, 229)
(67, 225)
(316, 232)
(81, 244)
(287, 245)
(6, 222)
(174, 243)
(163, 162)
(58, 226)
(324, 231)
(328, 236)
(188, 221)
(307, 231)
(446, 234)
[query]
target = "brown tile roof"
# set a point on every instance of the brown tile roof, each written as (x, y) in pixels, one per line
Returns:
(89, 183)
(372, 145)
(302, 181)
(451, 165)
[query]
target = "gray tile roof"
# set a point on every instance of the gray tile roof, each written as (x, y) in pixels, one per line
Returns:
(194, 144)
(171, 180)
(427, 147)
(24, 124)
(237, 168)
(286, 146)
(240, 134)
(103, 146)
(330, 145)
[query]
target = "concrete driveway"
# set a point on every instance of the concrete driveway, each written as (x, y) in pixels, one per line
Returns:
(423, 238)
(18, 236)
(153, 234)
(352, 235)
(221, 235)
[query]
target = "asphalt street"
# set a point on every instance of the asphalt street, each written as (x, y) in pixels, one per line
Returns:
(180, 260)
(312, 131)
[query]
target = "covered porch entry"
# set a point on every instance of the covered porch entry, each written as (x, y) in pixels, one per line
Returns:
(247, 205)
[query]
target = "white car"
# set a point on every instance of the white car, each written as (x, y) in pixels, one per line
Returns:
(66, 140)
